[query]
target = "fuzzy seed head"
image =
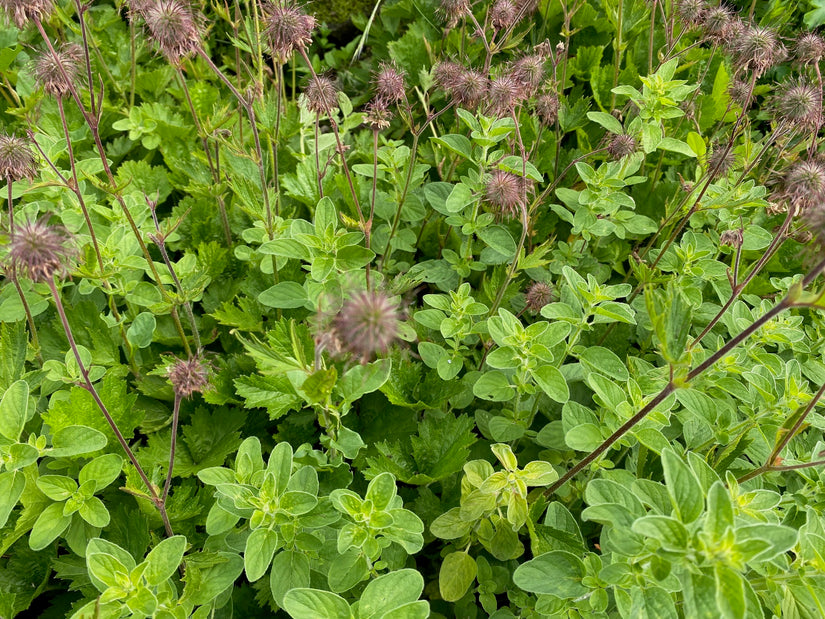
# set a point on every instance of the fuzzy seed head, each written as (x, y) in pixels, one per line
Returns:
(451, 11)
(809, 48)
(528, 71)
(715, 22)
(739, 92)
(189, 376)
(720, 161)
(547, 107)
(47, 69)
(621, 146)
(21, 12)
(288, 27)
(732, 238)
(505, 192)
(470, 88)
(321, 95)
(173, 26)
(503, 14)
(537, 296)
(16, 158)
(804, 184)
(798, 104)
(367, 324)
(757, 49)
(389, 84)
(504, 94)
(691, 12)
(39, 250)
(377, 115)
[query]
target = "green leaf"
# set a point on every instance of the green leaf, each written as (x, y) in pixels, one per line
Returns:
(48, 527)
(284, 295)
(604, 361)
(730, 592)
(93, 511)
(142, 330)
(14, 410)
(676, 146)
(556, 573)
(315, 604)
(493, 385)
(347, 571)
(103, 470)
(670, 533)
(552, 382)
(260, 548)
(719, 516)
(12, 484)
(163, 560)
(76, 440)
(683, 487)
(381, 491)
(106, 568)
(457, 143)
(457, 573)
(389, 592)
(608, 121)
(56, 487)
(290, 570)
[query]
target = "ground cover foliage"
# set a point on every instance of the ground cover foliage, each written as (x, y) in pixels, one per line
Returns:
(505, 309)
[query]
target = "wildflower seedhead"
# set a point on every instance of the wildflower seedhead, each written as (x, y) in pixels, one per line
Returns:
(757, 49)
(189, 376)
(505, 93)
(739, 92)
(469, 89)
(732, 238)
(716, 22)
(321, 94)
(621, 146)
(528, 71)
(503, 14)
(288, 28)
(377, 115)
(505, 192)
(453, 10)
(537, 296)
(16, 158)
(39, 250)
(547, 107)
(804, 184)
(798, 104)
(446, 74)
(21, 12)
(720, 161)
(691, 12)
(809, 48)
(52, 70)
(367, 324)
(173, 26)
(389, 84)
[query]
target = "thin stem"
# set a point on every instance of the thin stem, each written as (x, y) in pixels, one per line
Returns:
(81, 12)
(172, 445)
(84, 372)
(368, 227)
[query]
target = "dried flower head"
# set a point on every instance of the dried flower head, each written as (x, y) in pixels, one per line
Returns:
(505, 92)
(367, 324)
(720, 160)
(732, 238)
(798, 104)
(470, 88)
(389, 84)
(715, 23)
(803, 185)
(503, 14)
(453, 10)
(621, 146)
(547, 108)
(506, 193)
(21, 12)
(172, 25)
(691, 12)
(321, 94)
(287, 27)
(809, 48)
(739, 92)
(538, 295)
(16, 158)
(377, 115)
(57, 73)
(189, 376)
(39, 250)
(528, 71)
(756, 49)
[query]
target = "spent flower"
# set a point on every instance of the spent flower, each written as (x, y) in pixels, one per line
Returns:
(287, 27)
(367, 324)
(16, 158)
(39, 250)
(57, 73)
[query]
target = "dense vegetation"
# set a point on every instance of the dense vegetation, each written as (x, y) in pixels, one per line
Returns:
(458, 309)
